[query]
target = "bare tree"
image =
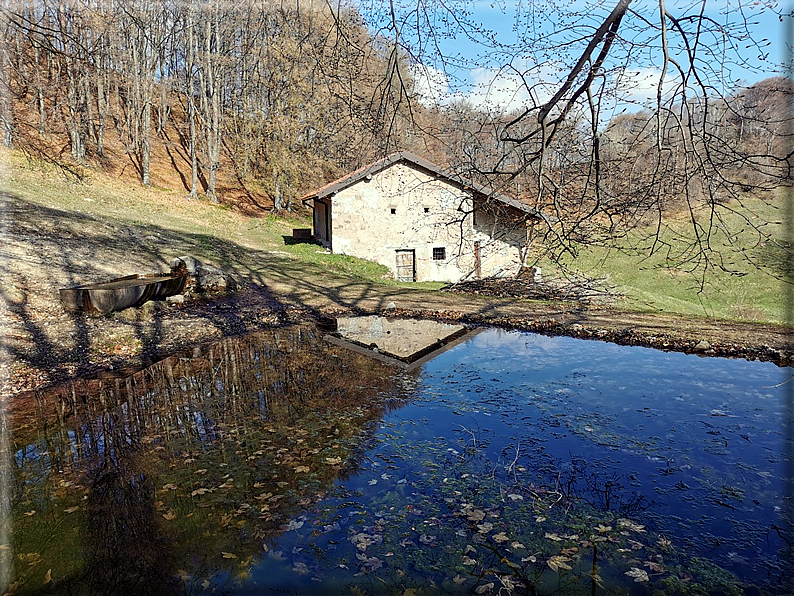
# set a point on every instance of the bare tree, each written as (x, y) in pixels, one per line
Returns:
(595, 183)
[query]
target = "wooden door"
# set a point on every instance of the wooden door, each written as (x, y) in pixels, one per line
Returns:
(322, 221)
(405, 265)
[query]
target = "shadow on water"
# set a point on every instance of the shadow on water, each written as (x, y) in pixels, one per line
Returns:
(180, 471)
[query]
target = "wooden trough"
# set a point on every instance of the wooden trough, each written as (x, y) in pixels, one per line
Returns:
(122, 292)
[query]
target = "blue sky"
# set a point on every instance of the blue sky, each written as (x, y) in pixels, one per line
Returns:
(519, 50)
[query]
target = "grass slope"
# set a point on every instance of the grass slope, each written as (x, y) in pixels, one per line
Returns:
(741, 283)
(116, 201)
(753, 293)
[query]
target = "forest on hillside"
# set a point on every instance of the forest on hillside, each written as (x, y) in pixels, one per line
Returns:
(286, 96)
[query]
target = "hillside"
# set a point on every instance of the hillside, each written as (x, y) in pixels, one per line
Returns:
(58, 232)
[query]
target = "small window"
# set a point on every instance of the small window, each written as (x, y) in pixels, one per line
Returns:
(393, 211)
(427, 209)
(439, 253)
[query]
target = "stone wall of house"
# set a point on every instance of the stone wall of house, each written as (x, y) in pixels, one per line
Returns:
(403, 208)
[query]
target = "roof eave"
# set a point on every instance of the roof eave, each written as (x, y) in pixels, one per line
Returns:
(380, 165)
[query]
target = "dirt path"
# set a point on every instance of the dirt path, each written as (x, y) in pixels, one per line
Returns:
(45, 249)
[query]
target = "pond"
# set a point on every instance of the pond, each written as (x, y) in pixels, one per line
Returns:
(286, 462)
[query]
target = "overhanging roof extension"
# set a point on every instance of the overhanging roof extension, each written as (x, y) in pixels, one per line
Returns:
(404, 156)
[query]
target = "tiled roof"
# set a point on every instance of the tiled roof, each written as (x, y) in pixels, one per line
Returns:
(404, 156)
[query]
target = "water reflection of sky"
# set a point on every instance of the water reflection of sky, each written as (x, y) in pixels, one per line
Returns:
(513, 462)
(691, 448)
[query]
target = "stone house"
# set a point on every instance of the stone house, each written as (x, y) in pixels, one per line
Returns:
(424, 224)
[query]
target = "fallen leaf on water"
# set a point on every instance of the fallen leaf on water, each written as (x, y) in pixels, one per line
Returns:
(552, 536)
(369, 564)
(484, 588)
(48, 576)
(293, 524)
(468, 561)
(228, 555)
(206, 584)
(508, 584)
(638, 574)
(71, 509)
(458, 579)
(655, 567)
(301, 469)
(516, 545)
(170, 487)
(601, 528)
(363, 541)
(300, 568)
(558, 562)
(500, 537)
(598, 580)
(634, 526)
(333, 460)
(170, 515)
(201, 471)
(31, 512)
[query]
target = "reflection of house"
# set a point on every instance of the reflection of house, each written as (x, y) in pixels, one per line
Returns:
(407, 343)
(422, 223)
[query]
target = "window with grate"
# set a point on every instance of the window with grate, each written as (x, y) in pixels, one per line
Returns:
(439, 253)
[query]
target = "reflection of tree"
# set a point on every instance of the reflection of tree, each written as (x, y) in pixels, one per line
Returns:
(204, 453)
(125, 551)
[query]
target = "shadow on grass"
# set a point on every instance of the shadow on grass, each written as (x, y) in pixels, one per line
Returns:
(57, 248)
(290, 241)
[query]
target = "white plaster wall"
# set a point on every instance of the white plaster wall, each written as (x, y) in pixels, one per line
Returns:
(363, 225)
(501, 244)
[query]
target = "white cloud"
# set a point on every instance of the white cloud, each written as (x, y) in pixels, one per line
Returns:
(522, 85)
(640, 85)
(497, 90)
(488, 89)
(431, 86)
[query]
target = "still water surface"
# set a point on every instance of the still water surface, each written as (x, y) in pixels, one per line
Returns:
(280, 463)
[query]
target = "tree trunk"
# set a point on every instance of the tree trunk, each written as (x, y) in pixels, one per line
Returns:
(145, 146)
(191, 103)
(103, 108)
(5, 96)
